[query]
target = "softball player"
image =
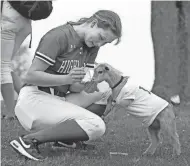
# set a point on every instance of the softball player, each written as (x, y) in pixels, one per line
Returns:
(44, 106)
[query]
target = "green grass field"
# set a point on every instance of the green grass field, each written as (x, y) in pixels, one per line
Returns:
(124, 134)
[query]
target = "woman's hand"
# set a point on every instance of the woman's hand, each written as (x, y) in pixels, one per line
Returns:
(76, 75)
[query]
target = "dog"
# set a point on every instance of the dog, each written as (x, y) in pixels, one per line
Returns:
(155, 113)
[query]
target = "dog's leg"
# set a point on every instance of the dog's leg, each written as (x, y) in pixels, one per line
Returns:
(175, 138)
(108, 107)
(155, 139)
(168, 123)
(172, 131)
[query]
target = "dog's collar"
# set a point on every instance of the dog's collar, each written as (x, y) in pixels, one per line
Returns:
(118, 83)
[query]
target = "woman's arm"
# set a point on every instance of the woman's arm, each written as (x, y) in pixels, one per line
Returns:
(77, 87)
(37, 76)
(51, 45)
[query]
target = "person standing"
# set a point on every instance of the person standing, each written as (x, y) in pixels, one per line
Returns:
(16, 17)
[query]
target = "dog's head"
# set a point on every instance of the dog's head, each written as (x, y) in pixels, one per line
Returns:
(101, 72)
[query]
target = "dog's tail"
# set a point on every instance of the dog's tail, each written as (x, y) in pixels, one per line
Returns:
(176, 108)
(165, 94)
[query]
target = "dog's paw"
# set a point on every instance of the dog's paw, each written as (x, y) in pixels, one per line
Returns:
(176, 153)
(161, 139)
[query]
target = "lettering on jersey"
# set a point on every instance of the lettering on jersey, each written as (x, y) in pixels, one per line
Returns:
(68, 65)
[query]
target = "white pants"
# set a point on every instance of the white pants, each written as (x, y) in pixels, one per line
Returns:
(14, 30)
(37, 110)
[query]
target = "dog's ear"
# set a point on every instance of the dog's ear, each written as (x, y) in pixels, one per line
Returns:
(107, 68)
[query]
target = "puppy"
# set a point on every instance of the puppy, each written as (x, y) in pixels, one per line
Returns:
(154, 112)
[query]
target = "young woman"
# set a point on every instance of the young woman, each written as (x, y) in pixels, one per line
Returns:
(45, 106)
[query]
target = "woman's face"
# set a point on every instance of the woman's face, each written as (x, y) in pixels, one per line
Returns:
(97, 37)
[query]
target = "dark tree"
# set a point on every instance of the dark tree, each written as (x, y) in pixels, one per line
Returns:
(170, 37)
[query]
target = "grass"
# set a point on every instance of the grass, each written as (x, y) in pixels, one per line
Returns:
(124, 134)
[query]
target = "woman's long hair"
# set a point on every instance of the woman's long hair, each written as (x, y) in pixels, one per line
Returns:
(107, 20)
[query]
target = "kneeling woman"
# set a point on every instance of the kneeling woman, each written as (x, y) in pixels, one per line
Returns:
(52, 114)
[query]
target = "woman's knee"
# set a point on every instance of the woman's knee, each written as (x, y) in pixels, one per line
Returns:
(101, 128)
(94, 128)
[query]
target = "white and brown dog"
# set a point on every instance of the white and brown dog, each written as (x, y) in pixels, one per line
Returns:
(154, 112)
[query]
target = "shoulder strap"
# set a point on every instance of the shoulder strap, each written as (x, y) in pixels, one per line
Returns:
(117, 90)
(111, 100)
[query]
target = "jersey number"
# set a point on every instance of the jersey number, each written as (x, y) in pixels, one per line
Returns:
(140, 87)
